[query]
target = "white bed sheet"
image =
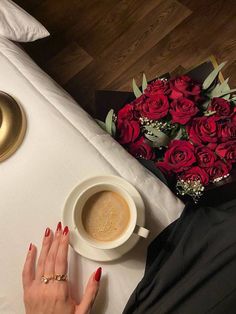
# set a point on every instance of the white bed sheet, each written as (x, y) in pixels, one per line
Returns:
(63, 146)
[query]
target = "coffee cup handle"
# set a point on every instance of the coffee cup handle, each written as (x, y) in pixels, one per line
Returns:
(141, 231)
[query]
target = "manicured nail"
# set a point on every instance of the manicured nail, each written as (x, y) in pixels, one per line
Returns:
(30, 247)
(59, 226)
(65, 231)
(98, 274)
(47, 232)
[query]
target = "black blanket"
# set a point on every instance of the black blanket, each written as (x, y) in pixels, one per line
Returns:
(191, 265)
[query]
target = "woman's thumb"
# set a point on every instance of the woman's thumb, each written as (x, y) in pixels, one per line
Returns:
(90, 293)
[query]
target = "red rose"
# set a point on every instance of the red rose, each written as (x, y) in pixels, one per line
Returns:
(128, 112)
(227, 131)
(205, 156)
(155, 107)
(195, 174)
(227, 151)
(140, 148)
(218, 170)
(137, 102)
(203, 130)
(182, 110)
(221, 106)
(184, 86)
(233, 116)
(178, 157)
(128, 131)
(158, 87)
(211, 146)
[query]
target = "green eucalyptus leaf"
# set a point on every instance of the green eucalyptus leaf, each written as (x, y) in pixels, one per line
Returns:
(226, 83)
(179, 134)
(137, 91)
(113, 129)
(153, 130)
(101, 124)
(220, 88)
(233, 101)
(153, 143)
(214, 90)
(109, 121)
(224, 93)
(225, 86)
(151, 138)
(209, 113)
(206, 104)
(211, 77)
(212, 86)
(144, 83)
(162, 138)
(226, 97)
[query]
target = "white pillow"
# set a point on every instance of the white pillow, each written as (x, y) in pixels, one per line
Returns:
(18, 25)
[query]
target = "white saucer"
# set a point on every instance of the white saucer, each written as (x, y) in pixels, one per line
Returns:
(81, 246)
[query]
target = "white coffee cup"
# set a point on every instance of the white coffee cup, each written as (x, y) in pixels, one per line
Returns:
(132, 226)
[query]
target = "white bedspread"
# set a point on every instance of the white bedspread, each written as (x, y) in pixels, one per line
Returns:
(62, 147)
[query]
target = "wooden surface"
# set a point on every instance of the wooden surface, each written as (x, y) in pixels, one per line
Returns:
(103, 44)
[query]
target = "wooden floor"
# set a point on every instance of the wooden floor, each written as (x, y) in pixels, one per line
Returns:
(103, 44)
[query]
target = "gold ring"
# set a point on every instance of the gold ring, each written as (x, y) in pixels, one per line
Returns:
(60, 277)
(45, 279)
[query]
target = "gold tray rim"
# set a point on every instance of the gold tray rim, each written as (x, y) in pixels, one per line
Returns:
(12, 149)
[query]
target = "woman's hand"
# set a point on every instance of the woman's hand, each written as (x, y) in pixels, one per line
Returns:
(54, 296)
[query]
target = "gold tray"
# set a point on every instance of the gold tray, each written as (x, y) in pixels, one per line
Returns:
(12, 125)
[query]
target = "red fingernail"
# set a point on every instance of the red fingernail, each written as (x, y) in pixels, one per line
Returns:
(65, 231)
(47, 232)
(98, 274)
(30, 247)
(59, 226)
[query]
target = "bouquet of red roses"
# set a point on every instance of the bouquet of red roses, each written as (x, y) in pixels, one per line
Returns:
(186, 128)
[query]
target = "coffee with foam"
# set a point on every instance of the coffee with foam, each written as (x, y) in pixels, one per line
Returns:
(105, 216)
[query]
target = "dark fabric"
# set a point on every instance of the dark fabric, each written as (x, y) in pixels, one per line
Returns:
(191, 265)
